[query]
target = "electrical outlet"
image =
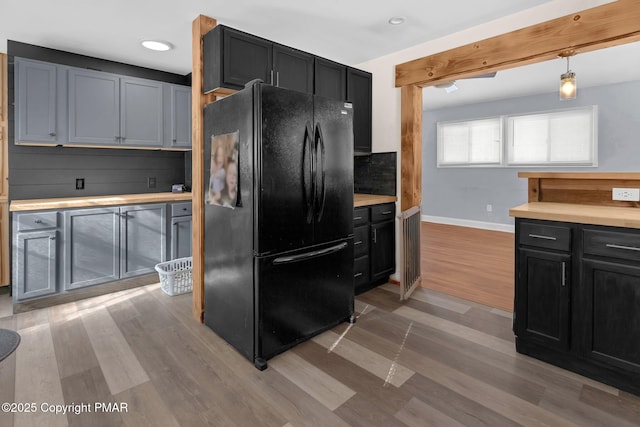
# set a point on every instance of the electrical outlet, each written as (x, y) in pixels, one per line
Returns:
(79, 183)
(626, 194)
(151, 182)
(489, 208)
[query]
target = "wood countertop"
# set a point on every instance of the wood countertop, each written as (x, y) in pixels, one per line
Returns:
(126, 199)
(371, 199)
(583, 214)
(581, 175)
(91, 201)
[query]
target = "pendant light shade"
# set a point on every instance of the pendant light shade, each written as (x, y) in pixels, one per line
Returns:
(568, 88)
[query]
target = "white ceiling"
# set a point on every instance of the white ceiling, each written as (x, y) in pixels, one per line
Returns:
(347, 31)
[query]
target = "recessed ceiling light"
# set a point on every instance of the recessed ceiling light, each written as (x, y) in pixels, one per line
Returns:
(156, 45)
(396, 20)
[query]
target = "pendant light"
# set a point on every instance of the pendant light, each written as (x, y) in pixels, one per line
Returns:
(568, 88)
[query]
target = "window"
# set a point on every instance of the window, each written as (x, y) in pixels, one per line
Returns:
(475, 142)
(555, 138)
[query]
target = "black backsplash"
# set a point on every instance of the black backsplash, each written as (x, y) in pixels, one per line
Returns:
(375, 174)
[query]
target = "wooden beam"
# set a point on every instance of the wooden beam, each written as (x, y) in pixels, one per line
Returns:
(603, 26)
(411, 155)
(201, 26)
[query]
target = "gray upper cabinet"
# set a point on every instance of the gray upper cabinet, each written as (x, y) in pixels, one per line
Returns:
(91, 248)
(142, 238)
(180, 108)
(141, 112)
(36, 97)
(94, 108)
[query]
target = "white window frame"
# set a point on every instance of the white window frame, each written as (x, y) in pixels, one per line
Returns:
(509, 143)
(506, 142)
(440, 143)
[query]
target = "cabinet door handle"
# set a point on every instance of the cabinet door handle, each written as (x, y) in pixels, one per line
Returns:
(540, 236)
(278, 78)
(627, 248)
(52, 238)
(564, 275)
(52, 134)
(357, 275)
(359, 242)
(375, 235)
(271, 76)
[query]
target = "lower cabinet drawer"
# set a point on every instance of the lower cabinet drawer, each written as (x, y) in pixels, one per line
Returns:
(361, 271)
(37, 221)
(614, 244)
(361, 241)
(543, 235)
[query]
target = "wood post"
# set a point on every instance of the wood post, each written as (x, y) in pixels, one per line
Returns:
(201, 25)
(411, 155)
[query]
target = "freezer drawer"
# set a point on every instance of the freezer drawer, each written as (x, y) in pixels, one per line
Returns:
(301, 294)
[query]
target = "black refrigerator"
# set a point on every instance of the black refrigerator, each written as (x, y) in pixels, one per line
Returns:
(278, 251)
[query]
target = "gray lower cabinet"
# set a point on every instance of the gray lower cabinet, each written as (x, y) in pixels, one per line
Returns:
(35, 254)
(91, 249)
(180, 237)
(142, 238)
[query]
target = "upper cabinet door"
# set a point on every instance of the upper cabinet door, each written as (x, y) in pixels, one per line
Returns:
(35, 84)
(233, 58)
(181, 116)
(94, 108)
(141, 112)
(330, 79)
(359, 94)
(293, 69)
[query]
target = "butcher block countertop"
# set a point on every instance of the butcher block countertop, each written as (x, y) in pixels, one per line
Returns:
(584, 214)
(371, 199)
(92, 201)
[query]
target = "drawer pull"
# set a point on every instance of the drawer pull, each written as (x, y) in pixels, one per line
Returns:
(386, 212)
(357, 275)
(357, 218)
(628, 248)
(359, 242)
(38, 221)
(540, 236)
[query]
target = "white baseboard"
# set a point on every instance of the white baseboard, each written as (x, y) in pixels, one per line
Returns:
(507, 228)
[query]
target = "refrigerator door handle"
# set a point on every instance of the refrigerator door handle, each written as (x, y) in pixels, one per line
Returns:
(308, 183)
(320, 193)
(308, 255)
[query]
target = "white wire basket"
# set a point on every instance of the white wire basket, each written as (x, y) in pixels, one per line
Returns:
(175, 276)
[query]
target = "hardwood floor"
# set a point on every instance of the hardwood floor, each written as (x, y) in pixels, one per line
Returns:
(470, 263)
(433, 360)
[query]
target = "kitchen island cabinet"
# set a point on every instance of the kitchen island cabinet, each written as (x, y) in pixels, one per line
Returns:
(578, 275)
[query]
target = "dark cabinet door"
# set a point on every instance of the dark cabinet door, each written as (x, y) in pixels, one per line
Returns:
(359, 94)
(293, 69)
(246, 57)
(609, 318)
(383, 249)
(542, 297)
(330, 79)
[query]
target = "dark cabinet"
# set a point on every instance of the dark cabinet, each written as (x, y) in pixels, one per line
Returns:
(543, 297)
(330, 79)
(577, 297)
(232, 58)
(359, 94)
(374, 245)
(293, 69)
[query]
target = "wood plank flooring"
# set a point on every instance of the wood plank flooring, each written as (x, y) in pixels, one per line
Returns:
(470, 263)
(434, 360)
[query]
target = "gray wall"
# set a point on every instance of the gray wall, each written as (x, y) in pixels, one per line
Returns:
(463, 193)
